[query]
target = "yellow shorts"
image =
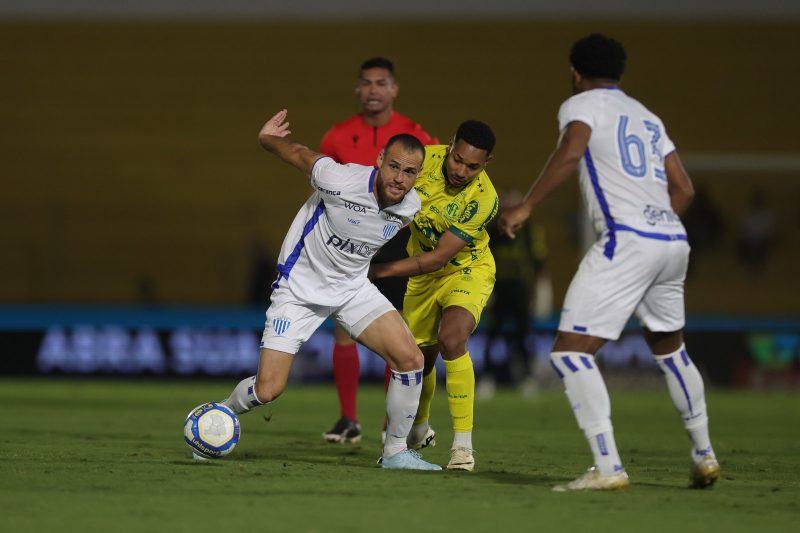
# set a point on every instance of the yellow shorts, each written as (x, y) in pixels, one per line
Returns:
(426, 298)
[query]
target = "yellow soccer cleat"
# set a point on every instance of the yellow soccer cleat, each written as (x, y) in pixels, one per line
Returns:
(461, 459)
(704, 474)
(594, 480)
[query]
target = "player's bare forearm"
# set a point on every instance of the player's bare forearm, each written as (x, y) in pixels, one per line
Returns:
(410, 266)
(448, 246)
(561, 164)
(557, 170)
(296, 154)
(273, 138)
(679, 185)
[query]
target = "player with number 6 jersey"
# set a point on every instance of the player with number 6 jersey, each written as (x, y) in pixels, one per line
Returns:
(627, 137)
(635, 188)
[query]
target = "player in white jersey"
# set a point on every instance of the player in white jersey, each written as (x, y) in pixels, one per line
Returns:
(635, 188)
(322, 272)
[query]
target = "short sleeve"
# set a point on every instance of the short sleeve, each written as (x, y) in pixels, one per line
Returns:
(575, 109)
(667, 146)
(325, 173)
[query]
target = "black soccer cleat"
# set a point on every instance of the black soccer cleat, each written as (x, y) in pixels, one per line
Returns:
(345, 430)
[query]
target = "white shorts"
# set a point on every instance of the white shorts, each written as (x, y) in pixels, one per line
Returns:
(290, 323)
(644, 278)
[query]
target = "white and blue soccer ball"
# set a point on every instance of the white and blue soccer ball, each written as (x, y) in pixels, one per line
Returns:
(211, 430)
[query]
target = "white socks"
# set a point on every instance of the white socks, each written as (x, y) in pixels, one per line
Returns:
(243, 398)
(402, 400)
(688, 394)
(462, 439)
(589, 399)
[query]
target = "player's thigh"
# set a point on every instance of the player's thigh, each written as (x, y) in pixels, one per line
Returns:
(363, 307)
(373, 320)
(389, 336)
(662, 307)
(421, 309)
(289, 323)
(604, 292)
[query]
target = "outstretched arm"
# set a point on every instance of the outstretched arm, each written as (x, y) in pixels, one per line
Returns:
(272, 138)
(679, 186)
(559, 167)
(446, 249)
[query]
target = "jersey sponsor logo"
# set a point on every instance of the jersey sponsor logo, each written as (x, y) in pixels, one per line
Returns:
(280, 325)
(352, 247)
(657, 215)
(329, 192)
(355, 207)
(460, 291)
(392, 218)
(389, 230)
(422, 192)
(354, 221)
(469, 212)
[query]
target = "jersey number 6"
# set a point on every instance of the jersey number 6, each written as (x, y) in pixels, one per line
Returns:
(630, 142)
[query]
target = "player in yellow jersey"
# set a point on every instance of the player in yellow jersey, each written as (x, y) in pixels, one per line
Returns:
(453, 275)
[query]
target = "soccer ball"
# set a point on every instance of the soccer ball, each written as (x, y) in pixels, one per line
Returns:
(211, 430)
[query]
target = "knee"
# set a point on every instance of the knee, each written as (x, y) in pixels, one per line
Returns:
(575, 342)
(453, 344)
(409, 359)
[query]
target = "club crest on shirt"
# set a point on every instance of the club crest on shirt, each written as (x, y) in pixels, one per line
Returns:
(451, 210)
(280, 325)
(389, 230)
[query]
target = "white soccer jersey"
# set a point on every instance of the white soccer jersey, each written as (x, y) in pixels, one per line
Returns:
(622, 173)
(325, 256)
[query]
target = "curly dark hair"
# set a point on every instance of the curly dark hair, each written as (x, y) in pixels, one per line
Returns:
(599, 57)
(477, 134)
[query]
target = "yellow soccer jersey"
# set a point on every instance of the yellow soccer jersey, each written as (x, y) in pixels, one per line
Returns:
(465, 211)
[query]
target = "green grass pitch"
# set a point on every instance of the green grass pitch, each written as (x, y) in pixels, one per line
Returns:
(98, 455)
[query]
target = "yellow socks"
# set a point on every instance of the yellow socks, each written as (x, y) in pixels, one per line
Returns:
(426, 397)
(460, 392)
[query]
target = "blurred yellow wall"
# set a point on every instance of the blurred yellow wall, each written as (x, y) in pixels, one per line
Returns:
(128, 151)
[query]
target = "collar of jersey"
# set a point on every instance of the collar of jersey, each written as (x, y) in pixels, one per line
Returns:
(372, 180)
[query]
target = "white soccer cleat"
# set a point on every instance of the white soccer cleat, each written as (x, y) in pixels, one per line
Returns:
(592, 479)
(461, 459)
(429, 439)
(407, 460)
(705, 473)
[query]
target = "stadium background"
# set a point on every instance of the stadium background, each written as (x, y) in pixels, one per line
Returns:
(134, 191)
